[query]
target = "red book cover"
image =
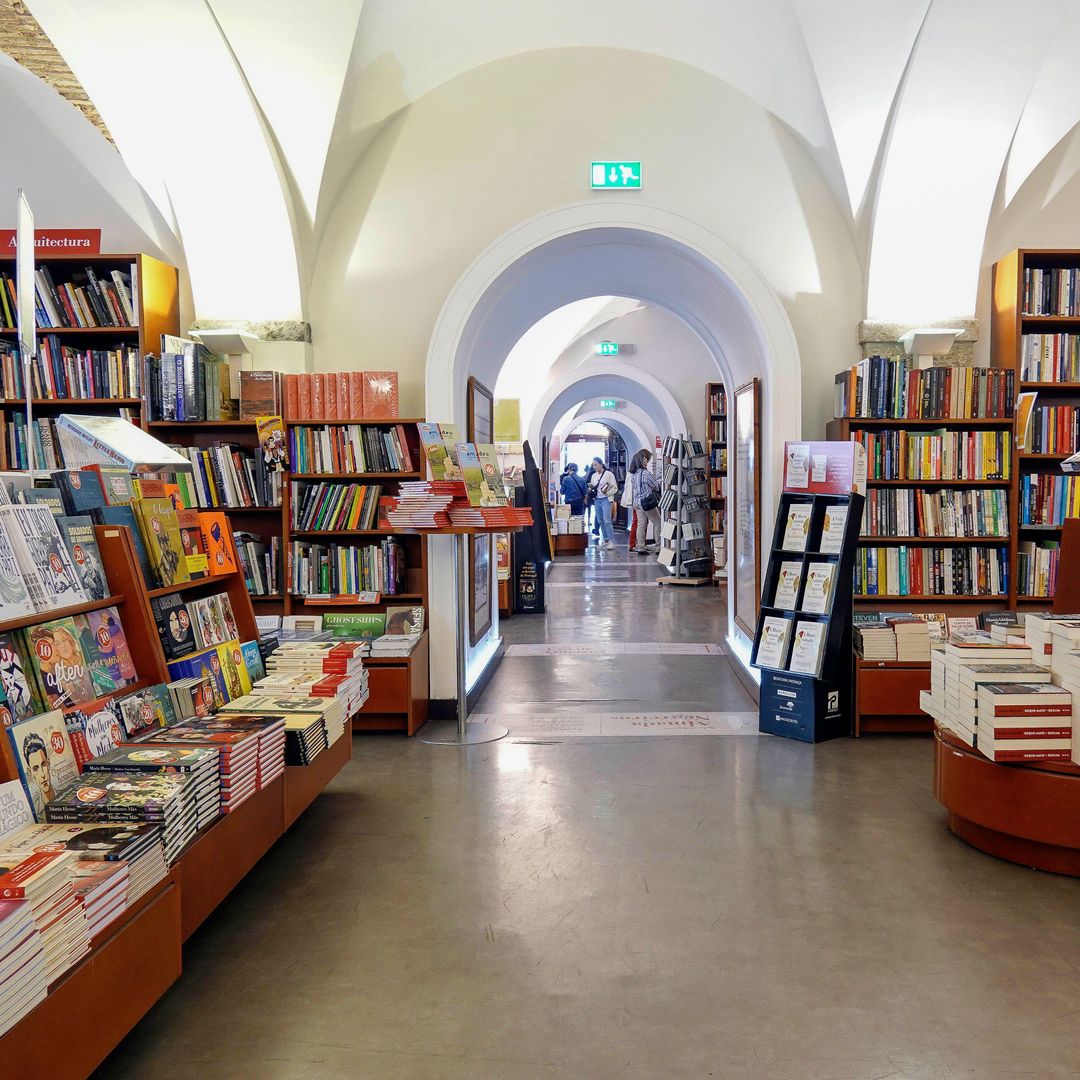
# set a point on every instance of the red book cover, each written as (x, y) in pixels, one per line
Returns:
(380, 395)
(217, 537)
(406, 453)
(318, 396)
(824, 468)
(356, 395)
(292, 396)
(304, 395)
(341, 380)
(331, 397)
(16, 879)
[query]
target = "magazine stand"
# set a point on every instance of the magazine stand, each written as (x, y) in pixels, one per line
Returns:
(685, 502)
(810, 707)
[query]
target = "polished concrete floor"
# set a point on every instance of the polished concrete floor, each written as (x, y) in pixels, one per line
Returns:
(650, 909)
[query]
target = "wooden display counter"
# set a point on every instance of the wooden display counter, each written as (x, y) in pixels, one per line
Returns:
(304, 783)
(397, 692)
(570, 543)
(887, 697)
(1028, 814)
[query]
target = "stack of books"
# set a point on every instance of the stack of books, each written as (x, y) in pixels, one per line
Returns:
(199, 763)
(166, 799)
(305, 738)
(23, 980)
(422, 504)
(45, 881)
(238, 749)
(332, 669)
(1024, 722)
(912, 638)
(875, 641)
(102, 889)
(331, 711)
(394, 645)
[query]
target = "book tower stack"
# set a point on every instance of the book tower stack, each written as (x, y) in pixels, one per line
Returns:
(1025, 722)
(23, 981)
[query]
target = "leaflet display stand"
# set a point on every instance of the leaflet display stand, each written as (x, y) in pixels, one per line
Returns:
(803, 641)
(684, 512)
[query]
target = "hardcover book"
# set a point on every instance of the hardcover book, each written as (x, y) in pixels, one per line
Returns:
(125, 516)
(191, 541)
(17, 675)
(15, 601)
(260, 394)
(161, 534)
(355, 625)
(216, 536)
(405, 619)
(78, 534)
(80, 489)
(174, 625)
(111, 640)
(380, 395)
(45, 758)
(61, 665)
(94, 729)
(47, 569)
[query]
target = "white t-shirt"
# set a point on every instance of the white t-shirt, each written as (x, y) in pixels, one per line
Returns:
(603, 484)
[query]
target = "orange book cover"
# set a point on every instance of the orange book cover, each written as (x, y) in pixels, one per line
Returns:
(380, 395)
(342, 380)
(331, 400)
(304, 395)
(217, 536)
(356, 395)
(292, 396)
(318, 396)
(172, 493)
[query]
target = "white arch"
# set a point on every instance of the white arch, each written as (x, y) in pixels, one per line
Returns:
(630, 431)
(620, 380)
(618, 249)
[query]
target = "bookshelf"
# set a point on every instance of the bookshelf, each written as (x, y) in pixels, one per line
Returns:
(155, 301)
(142, 949)
(1014, 330)
(716, 468)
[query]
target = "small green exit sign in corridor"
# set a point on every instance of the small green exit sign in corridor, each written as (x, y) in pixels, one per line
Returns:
(608, 403)
(607, 348)
(615, 174)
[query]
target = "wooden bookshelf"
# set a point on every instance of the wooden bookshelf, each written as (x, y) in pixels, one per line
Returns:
(1009, 323)
(715, 413)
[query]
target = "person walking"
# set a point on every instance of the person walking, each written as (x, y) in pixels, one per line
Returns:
(602, 487)
(626, 501)
(574, 490)
(646, 501)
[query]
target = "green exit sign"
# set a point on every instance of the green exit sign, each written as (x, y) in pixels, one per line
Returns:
(608, 403)
(623, 175)
(607, 348)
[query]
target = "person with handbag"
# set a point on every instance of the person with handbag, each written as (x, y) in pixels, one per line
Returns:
(603, 487)
(646, 502)
(574, 490)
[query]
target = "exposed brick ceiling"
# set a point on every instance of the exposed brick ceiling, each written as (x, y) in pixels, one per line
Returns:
(27, 44)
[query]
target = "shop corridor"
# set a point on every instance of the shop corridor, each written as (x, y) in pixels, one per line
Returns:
(672, 908)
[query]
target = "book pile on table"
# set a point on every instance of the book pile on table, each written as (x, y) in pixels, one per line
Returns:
(269, 728)
(421, 504)
(331, 711)
(305, 738)
(466, 515)
(394, 645)
(138, 846)
(332, 669)
(1024, 722)
(45, 881)
(166, 799)
(875, 641)
(200, 763)
(238, 750)
(102, 890)
(912, 638)
(1038, 632)
(23, 973)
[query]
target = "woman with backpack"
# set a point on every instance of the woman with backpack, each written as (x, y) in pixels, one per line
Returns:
(602, 488)
(646, 501)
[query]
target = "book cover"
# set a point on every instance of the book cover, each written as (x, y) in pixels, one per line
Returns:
(125, 516)
(19, 530)
(232, 665)
(45, 758)
(15, 601)
(80, 490)
(117, 485)
(260, 394)
(818, 594)
(380, 395)
(773, 643)
(405, 619)
(787, 585)
(807, 647)
(174, 626)
(78, 534)
(165, 703)
(60, 663)
(198, 565)
(492, 491)
(271, 434)
(161, 533)
(253, 661)
(216, 536)
(21, 694)
(140, 712)
(355, 625)
(471, 473)
(110, 637)
(228, 617)
(43, 496)
(434, 449)
(94, 728)
(148, 759)
(797, 526)
(15, 810)
(832, 532)
(318, 396)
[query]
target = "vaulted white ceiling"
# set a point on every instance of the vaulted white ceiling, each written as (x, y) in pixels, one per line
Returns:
(241, 119)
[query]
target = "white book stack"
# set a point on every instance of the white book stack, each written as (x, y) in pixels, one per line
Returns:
(969, 679)
(875, 641)
(1025, 722)
(912, 639)
(1064, 638)
(1037, 630)
(1066, 674)
(1008, 634)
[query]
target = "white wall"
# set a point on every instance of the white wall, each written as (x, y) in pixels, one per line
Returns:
(507, 141)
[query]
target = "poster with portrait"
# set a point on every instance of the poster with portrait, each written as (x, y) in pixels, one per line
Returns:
(746, 496)
(481, 429)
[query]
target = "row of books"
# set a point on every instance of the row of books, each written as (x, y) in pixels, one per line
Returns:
(717, 487)
(937, 455)
(1051, 291)
(1037, 567)
(341, 395)
(718, 459)
(718, 431)
(940, 512)
(227, 474)
(1050, 357)
(808, 588)
(716, 521)
(1048, 498)
(440, 504)
(60, 371)
(894, 388)
(260, 563)
(187, 382)
(334, 506)
(345, 570)
(904, 570)
(904, 638)
(186, 627)
(718, 402)
(47, 436)
(352, 448)
(1054, 429)
(84, 300)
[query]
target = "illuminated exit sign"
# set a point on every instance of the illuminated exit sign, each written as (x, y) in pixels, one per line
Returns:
(607, 348)
(622, 175)
(608, 403)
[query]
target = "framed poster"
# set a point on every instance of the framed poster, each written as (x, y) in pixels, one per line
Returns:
(480, 426)
(746, 497)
